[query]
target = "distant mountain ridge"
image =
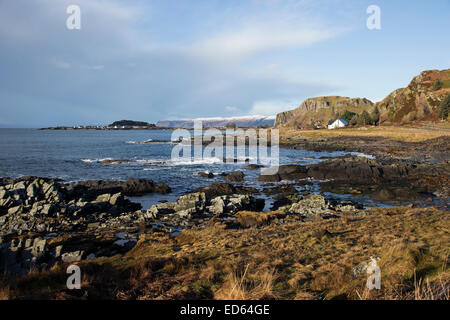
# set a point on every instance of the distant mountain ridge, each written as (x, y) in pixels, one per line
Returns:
(244, 121)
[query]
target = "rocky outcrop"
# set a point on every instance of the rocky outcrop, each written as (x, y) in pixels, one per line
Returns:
(419, 101)
(237, 176)
(40, 206)
(222, 189)
(316, 112)
(197, 205)
(284, 172)
(315, 207)
(387, 179)
(130, 187)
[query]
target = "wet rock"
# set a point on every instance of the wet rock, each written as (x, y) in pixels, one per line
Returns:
(109, 161)
(285, 172)
(237, 176)
(253, 167)
(283, 189)
(131, 187)
(221, 189)
(206, 174)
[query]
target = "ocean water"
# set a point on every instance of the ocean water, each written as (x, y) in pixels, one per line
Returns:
(75, 155)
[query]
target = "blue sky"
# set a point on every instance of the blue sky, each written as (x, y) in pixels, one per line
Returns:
(171, 59)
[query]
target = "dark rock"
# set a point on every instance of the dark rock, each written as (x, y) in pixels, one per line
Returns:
(285, 172)
(131, 187)
(253, 167)
(221, 189)
(237, 176)
(208, 175)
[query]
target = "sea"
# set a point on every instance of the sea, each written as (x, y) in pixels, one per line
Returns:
(75, 155)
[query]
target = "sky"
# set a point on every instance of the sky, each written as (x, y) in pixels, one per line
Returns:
(177, 59)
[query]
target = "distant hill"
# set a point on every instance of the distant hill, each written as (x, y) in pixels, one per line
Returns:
(419, 101)
(245, 121)
(317, 112)
(130, 123)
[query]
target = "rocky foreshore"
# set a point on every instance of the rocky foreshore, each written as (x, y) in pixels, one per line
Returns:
(44, 221)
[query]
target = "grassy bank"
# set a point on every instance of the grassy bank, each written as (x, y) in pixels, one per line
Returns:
(417, 133)
(313, 260)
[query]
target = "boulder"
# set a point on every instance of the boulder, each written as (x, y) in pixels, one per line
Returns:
(131, 187)
(196, 201)
(206, 174)
(221, 189)
(237, 176)
(70, 257)
(284, 172)
(313, 204)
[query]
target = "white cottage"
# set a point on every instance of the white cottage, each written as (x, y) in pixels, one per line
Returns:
(339, 123)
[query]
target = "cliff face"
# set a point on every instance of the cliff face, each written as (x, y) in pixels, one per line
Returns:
(318, 111)
(419, 101)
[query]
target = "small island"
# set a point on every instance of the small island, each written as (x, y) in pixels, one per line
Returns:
(117, 125)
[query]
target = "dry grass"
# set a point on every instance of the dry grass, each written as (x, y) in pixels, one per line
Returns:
(252, 219)
(297, 260)
(399, 133)
(248, 286)
(5, 293)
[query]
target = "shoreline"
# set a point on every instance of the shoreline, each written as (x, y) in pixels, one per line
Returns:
(49, 224)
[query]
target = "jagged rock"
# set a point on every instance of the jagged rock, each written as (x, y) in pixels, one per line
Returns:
(48, 209)
(115, 199)
(231, 204)
(3, 193)
(15, 210)
(74, 256)
(313, 204)
(221, 189)
(161, 209)
(39, 247)
(131, 187)
(32, 190)
(192, 200)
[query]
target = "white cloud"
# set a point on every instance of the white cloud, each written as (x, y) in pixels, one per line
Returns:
(60, 64)
(231, 109)
(258, 38)
(273, 107)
